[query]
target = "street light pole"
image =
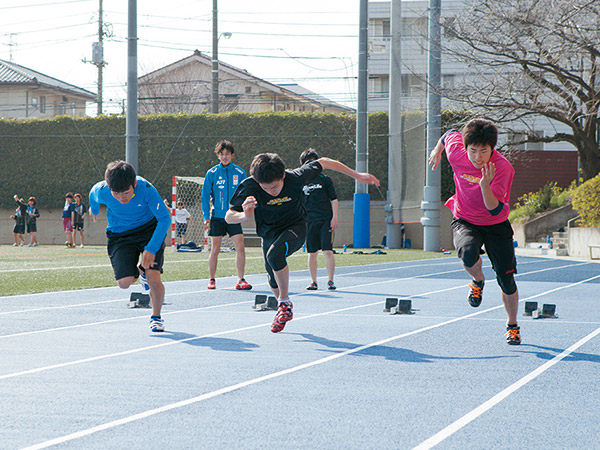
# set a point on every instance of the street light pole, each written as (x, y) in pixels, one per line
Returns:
(215, 61)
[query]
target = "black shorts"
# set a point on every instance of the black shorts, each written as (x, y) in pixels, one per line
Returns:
(278, 248)
(497, 239)
(31, 227)
(19, 228)
(78, 226)
(218, 227)
(180, 228)
(124, 250)
(319, 235)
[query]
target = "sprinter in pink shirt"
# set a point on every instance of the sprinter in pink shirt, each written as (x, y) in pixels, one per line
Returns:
(483, 178)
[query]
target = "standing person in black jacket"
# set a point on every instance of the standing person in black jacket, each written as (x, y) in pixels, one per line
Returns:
(79, 211)
(321, 206)
(32, 214)
(19, 218)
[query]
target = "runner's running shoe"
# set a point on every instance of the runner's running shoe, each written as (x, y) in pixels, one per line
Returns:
(513, 335)
(475, 294)
(157, 324)
(144, 282)
(212, 284)
(331, 286)
(284, 314)
(312, 286)
(243, 285)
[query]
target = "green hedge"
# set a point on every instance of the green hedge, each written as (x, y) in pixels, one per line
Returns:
(49, 157)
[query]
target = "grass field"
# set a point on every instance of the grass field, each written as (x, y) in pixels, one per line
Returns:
(56, 268)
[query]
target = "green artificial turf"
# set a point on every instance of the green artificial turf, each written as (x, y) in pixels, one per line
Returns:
(55, 268)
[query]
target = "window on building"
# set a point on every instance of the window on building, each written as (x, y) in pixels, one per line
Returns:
(42, 104)
(519, 141)
(248, 89)
(387, 30)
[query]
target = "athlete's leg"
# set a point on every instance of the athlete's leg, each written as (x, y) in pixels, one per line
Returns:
(329, 263)
(157, 290)
(240, 254)
(313, 265)
(215, 242)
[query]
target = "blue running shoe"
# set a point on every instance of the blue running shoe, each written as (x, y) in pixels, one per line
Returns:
(156, 324)
(144, 282)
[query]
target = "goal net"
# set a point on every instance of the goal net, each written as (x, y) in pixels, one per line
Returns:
(187, 190)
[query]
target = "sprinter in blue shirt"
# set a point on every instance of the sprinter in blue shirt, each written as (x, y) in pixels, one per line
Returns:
(138, 221)
(220, 183)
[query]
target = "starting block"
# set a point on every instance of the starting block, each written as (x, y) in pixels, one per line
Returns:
(548, 311)
(139, 300)
(529, 308)
(395, 306)
(264, 303)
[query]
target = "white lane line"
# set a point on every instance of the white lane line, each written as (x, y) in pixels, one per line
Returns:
(77, 305)
(481, 409)
(237, 386)
(25, 333)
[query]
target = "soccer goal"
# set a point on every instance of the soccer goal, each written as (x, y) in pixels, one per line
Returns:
(188, 190)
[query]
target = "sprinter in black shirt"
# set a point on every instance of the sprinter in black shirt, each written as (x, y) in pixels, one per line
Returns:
(321, 205)
(275, 194)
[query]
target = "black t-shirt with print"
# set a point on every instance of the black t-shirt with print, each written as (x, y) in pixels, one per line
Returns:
(317, 198)
(273, 215)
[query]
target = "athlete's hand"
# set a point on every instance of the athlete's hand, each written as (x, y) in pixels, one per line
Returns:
(436, 155)
(367, 178)
(206, 224)
(249, 205)
(487, 174)
(147, 259)
(93, 216)
(334, 223)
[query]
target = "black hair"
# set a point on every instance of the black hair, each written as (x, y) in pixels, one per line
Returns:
(308, 155)
(480, 132)
(119, 176)
(267, 167)
(69, 195)
(224, 145)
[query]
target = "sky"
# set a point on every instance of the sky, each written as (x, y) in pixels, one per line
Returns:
(311, 42)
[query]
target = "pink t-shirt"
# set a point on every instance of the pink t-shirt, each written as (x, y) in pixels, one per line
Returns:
(467, 203)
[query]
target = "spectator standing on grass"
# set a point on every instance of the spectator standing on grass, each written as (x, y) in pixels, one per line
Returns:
(321, 206)
(138, 221)
(79, 211)
(19, 217)
(67, 219)
(182, 216)
(220, 183)
(483, 178)
(32, 214)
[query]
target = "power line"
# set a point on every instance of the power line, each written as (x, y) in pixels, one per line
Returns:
(44, 4)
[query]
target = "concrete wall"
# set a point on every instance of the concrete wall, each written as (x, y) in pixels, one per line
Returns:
(50, 229)
(541, 226)
(580, 238)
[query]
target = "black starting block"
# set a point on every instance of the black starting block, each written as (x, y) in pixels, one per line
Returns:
(139, 300)
(264, 303)
(548, 311)
(395, 306)
(530, 307)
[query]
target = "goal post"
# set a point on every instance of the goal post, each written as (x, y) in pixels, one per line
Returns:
(188, 190)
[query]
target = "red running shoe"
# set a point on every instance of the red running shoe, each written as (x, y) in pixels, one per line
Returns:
(284, 314)
(243, 285)
(212, 284)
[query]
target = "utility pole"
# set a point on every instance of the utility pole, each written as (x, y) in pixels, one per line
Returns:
(100, 64)
(396, 171)
(215, 61)
(362, 199)
(131, 122)
(431, 203)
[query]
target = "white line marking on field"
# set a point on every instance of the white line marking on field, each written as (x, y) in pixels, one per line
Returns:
(471, 416)
(474, 414)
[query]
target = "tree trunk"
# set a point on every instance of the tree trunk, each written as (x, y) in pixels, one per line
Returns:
(589, 159)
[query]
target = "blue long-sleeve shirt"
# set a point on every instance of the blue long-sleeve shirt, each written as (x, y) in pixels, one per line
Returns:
(145, 205)
(219, 185)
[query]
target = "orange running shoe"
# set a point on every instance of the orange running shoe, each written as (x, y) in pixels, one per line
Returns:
(475, 294)
(212, 284)
(284, 314)
(513, 335)
(243, 285)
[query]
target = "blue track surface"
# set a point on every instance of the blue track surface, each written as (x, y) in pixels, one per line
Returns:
(81, 371)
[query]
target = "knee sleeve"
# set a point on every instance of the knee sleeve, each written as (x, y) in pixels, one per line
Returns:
(506, 281)
(276, 256)
(469, 254)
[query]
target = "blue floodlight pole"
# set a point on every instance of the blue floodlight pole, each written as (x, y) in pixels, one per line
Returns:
(362, 199)
(131, 123)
